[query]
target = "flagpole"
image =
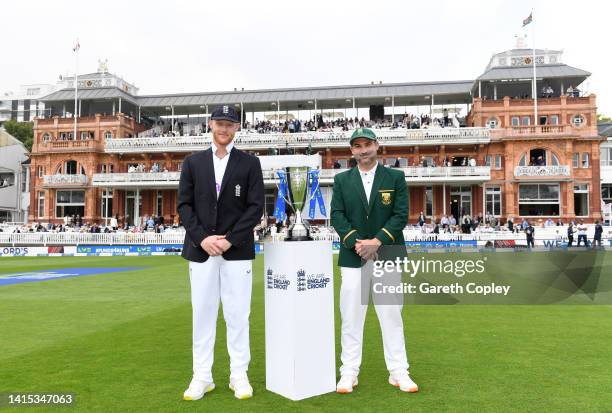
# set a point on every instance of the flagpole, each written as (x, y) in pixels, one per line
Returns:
(535, 85)
(76, 87)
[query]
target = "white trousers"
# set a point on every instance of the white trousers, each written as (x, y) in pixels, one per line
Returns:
(231, 283)
(353, 313)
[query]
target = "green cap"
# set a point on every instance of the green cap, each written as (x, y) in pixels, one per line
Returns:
(363, 133)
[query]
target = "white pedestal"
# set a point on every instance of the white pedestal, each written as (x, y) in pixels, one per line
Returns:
(299, 294)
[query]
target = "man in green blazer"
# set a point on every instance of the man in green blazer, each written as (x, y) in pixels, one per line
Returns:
(369, 208)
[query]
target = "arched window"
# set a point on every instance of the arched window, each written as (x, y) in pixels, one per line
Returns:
(70, 167)
(539, 157)
(46, 137)
(554, 159)
(108, 135)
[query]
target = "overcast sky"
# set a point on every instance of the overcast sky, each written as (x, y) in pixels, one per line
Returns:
(181, 46)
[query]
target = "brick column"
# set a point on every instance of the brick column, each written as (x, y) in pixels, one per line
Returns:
(568, 187)
(510, 189)
(595, 201)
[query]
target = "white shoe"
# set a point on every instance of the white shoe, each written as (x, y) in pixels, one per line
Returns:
(197, 389)
(404, 382)
(242, 388)
(346, 384)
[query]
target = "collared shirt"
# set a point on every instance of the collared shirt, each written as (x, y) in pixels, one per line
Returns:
(220, 164)
(367, 179)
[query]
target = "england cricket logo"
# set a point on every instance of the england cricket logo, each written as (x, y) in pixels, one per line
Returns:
(276, 281)
(311, 281)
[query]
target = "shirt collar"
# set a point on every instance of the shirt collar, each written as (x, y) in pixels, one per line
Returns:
(371, 171)
(228, 148)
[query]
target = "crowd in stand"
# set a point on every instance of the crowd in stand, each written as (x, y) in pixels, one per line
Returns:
(447, 224)
(5, 182)
(74, 223)
(142, 168)
(547, 92)
(424, 162)
(466, 224)
(407, 121)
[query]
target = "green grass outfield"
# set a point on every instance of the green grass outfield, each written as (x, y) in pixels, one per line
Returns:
(122, 343)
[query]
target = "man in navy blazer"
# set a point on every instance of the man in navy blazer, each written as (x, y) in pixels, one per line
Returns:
(220, 201)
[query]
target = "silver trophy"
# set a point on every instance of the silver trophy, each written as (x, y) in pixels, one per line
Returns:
(297, 183)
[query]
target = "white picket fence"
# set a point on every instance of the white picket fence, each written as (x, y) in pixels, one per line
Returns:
(77, 238)
(177, 237)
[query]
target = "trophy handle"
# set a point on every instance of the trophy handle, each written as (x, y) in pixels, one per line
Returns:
(287, 202)
(314, 191)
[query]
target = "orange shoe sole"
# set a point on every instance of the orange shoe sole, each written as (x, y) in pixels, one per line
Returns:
(345, 391)
(406, 391)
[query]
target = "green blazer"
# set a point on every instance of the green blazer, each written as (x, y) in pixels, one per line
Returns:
(384, 217)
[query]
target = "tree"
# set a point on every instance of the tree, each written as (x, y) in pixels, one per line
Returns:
(24, 131)
(601, 118)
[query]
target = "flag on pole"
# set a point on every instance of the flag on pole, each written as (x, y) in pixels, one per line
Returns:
(77, 46)
(528, 19)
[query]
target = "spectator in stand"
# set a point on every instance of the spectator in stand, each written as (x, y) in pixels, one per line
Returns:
(444, 221)
(529, 231)
(114, 222)
(570, 234)
(597, 236)
(421, 220)
(549, 92)
(510, 224)
(582, 234)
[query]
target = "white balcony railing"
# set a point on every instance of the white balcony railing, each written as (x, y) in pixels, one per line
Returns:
(395, 137)
(448, 172)
(560, 170)
(65, 179)
(538, 130)
(137, 178)
(326, 176)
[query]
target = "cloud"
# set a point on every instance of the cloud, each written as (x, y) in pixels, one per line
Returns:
(206, 46)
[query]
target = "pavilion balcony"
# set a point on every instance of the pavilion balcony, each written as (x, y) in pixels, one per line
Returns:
(420, 175)
(318, 140)
(542, 171)
(65, 180)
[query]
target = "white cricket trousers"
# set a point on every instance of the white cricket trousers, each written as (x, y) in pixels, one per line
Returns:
(231, 282)
(353, 313)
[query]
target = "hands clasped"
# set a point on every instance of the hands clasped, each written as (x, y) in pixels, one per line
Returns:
(368, 248)
(215, 245)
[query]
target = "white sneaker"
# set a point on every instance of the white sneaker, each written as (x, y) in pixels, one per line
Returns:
(197, 389)
(404, 382)
(346, 384)
(242, 388)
